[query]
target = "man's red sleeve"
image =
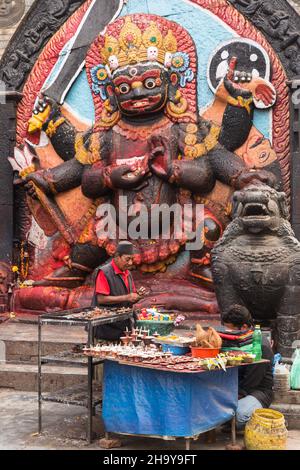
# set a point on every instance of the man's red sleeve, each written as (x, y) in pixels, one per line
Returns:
(102, 286)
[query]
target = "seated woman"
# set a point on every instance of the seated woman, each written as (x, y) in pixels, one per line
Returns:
(256, 381)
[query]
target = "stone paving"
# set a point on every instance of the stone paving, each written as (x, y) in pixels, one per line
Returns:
(64, 428)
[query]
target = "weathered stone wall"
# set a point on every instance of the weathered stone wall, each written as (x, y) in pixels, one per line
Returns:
(6, 33)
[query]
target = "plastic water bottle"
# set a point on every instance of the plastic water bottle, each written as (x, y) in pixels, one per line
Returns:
(295, 371)
(256, 344)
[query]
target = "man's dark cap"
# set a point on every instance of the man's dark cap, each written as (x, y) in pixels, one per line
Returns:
(125, 248)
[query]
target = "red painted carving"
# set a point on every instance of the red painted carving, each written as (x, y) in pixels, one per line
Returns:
(281, 113)
(42, 70)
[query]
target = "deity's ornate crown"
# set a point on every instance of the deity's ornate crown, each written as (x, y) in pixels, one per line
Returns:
(134, 45)
(140, 38)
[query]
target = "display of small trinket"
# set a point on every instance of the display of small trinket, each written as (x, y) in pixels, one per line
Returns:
(125, 340)
(134, 350)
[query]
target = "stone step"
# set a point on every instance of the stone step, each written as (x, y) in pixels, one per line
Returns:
(291, 413)
(24, 377)
(19, 341)
(19, 354)
(290, 397)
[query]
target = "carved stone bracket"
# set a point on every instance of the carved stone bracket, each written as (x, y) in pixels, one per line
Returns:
(280, 24)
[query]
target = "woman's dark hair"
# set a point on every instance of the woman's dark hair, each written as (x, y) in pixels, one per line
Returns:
(238, 316)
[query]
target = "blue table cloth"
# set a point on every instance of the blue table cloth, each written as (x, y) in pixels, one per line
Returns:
(137, 400)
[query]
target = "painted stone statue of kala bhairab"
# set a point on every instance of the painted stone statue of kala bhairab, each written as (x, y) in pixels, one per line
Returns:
(149, 144)
(257, 262)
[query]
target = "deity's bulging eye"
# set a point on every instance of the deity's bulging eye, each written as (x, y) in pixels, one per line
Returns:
(133, 71)
(124, 88)
(150, 83)
(263, 156)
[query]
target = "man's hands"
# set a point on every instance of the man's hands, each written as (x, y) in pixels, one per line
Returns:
(136, 296)
(142, 291)
(133, 297)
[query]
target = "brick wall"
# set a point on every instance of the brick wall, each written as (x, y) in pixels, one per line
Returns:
(6, 34)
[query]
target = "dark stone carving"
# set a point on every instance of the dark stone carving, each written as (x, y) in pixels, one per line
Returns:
(7, 136)
(295, 157)
(22, 215)
(257, 262)
(42, 21)
(280, 24)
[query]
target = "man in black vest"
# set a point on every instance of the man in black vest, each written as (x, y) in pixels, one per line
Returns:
(114, 287)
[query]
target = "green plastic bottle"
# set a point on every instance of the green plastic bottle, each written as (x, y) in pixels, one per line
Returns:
(256, 343)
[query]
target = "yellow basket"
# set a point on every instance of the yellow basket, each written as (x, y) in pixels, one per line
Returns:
(266, 430)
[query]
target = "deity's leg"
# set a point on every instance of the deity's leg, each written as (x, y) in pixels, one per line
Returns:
(200, 268)
(83, 259)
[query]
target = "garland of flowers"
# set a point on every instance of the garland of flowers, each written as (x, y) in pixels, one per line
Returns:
(24, 262)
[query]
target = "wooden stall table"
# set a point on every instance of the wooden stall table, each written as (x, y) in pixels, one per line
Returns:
(145, 401)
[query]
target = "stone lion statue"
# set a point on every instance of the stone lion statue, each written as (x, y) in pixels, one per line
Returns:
(257, 262)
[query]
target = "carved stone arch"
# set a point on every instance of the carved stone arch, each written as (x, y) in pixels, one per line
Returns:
(280, 24)
(38, 26)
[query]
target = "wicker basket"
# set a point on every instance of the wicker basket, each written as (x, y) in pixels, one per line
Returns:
(266, 430)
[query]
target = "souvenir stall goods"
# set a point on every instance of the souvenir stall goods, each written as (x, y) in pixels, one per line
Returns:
(138, 352)
(235, 339)
(158, 321)
(207, 342)
(177, 345)
(85, 393)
